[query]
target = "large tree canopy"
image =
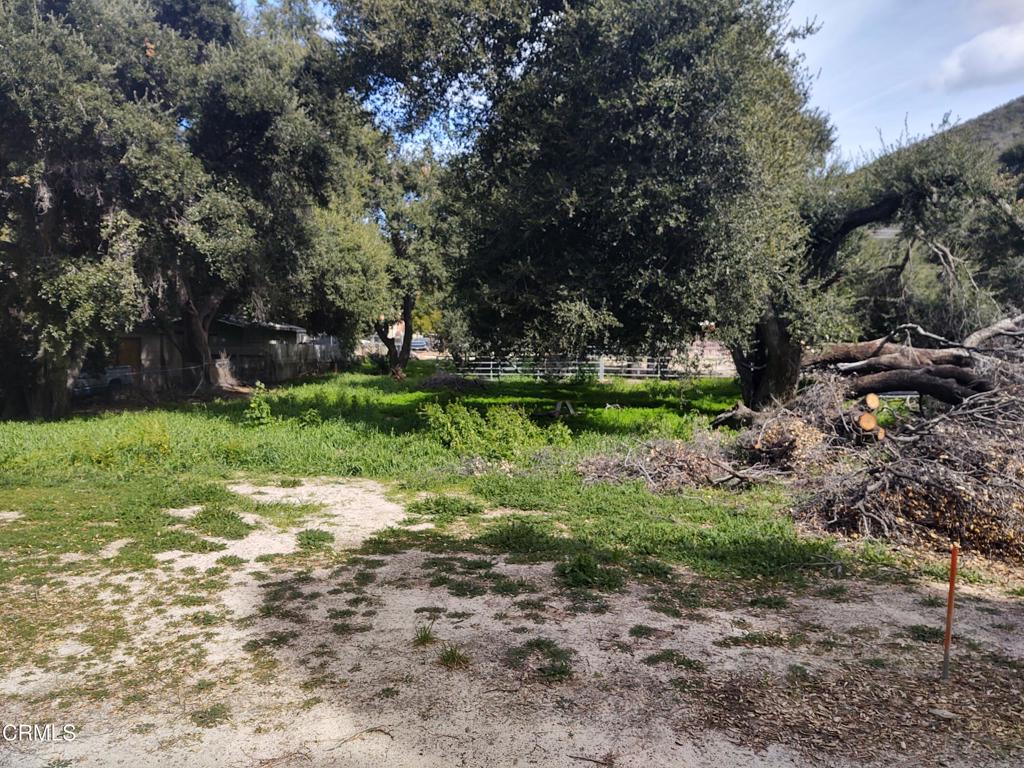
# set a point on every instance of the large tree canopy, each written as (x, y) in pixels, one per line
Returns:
(170, 152)
(635, 180)
(640, 168)
(633, 163)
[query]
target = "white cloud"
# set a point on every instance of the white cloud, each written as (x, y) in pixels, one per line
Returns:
(995, 56)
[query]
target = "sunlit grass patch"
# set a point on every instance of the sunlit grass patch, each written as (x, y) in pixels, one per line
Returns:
(314, 538)
(221, 522)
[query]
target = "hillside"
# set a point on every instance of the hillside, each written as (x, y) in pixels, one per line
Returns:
(1002, 128)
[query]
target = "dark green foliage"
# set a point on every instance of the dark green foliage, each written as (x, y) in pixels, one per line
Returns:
(675, 658)
(159, 159)
(271, 640)
(522, 536)
(769, 601)
(642, 631)
(211, 716)
(587, 572)
(502, 585)
(924, 634)
(465, 588)
(622, 239)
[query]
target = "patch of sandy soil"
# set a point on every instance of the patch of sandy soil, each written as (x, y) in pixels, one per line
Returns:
(315, 666)
(350, 510)
(7, 516)
(353, 510)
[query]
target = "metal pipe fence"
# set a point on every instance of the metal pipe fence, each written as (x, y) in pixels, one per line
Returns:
(594, 367)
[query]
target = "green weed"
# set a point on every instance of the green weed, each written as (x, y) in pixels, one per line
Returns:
(424, 635)
(555, 661)
(314, 539)
(211, 716)
(584, 571)
(675, 658)
(452, 657)
(922, 633)
(444, 509)
(221, 522)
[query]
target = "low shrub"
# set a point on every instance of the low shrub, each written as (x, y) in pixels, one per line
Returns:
(502, 432)
(257, 412)
(314, 538)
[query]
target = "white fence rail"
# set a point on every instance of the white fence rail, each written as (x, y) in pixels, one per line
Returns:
(599, 368)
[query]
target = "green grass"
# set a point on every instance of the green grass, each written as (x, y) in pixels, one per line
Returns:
(424, 635)
(769, 601)
(642, 631)
(922, 633)
(83, 483)
(314, 538)
(452, 657)
(221, 522)
(445, 508)
(553, 661)
(675, 658)
(211, 716)
(584, 571)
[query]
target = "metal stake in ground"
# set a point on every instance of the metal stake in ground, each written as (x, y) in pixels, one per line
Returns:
(953, 555)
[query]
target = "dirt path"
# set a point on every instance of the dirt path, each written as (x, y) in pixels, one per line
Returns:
(275, 662)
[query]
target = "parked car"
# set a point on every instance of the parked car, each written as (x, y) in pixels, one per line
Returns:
(420, 344)
(109, 382)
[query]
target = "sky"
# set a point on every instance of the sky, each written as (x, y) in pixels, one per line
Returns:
(894, 67)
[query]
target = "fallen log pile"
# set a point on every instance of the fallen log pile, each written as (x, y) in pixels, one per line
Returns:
(957, 475)
(951, 469)
(948, 371)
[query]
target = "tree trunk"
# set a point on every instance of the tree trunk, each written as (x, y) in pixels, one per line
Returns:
(408, 304)
(1010, 326)
(769, 370)
(398, 357)
(389, 344)
(46, 394)
(198, 316)
(944, 383)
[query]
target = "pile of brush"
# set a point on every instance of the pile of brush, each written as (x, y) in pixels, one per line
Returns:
(670, 466)
(958, 476)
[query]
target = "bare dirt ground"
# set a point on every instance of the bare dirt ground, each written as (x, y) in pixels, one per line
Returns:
(310, 661)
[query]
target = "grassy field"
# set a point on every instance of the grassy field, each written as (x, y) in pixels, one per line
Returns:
(321, 553)
(85, 482)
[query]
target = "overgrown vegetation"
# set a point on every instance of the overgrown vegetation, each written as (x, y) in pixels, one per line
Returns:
(81, 484)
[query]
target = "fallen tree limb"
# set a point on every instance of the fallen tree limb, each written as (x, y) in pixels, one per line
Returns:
(924, 381)
(908, 359)
(1010, 326)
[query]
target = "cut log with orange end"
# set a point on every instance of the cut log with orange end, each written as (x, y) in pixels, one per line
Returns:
(880, 434)
(872, 401)
(867, 422)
